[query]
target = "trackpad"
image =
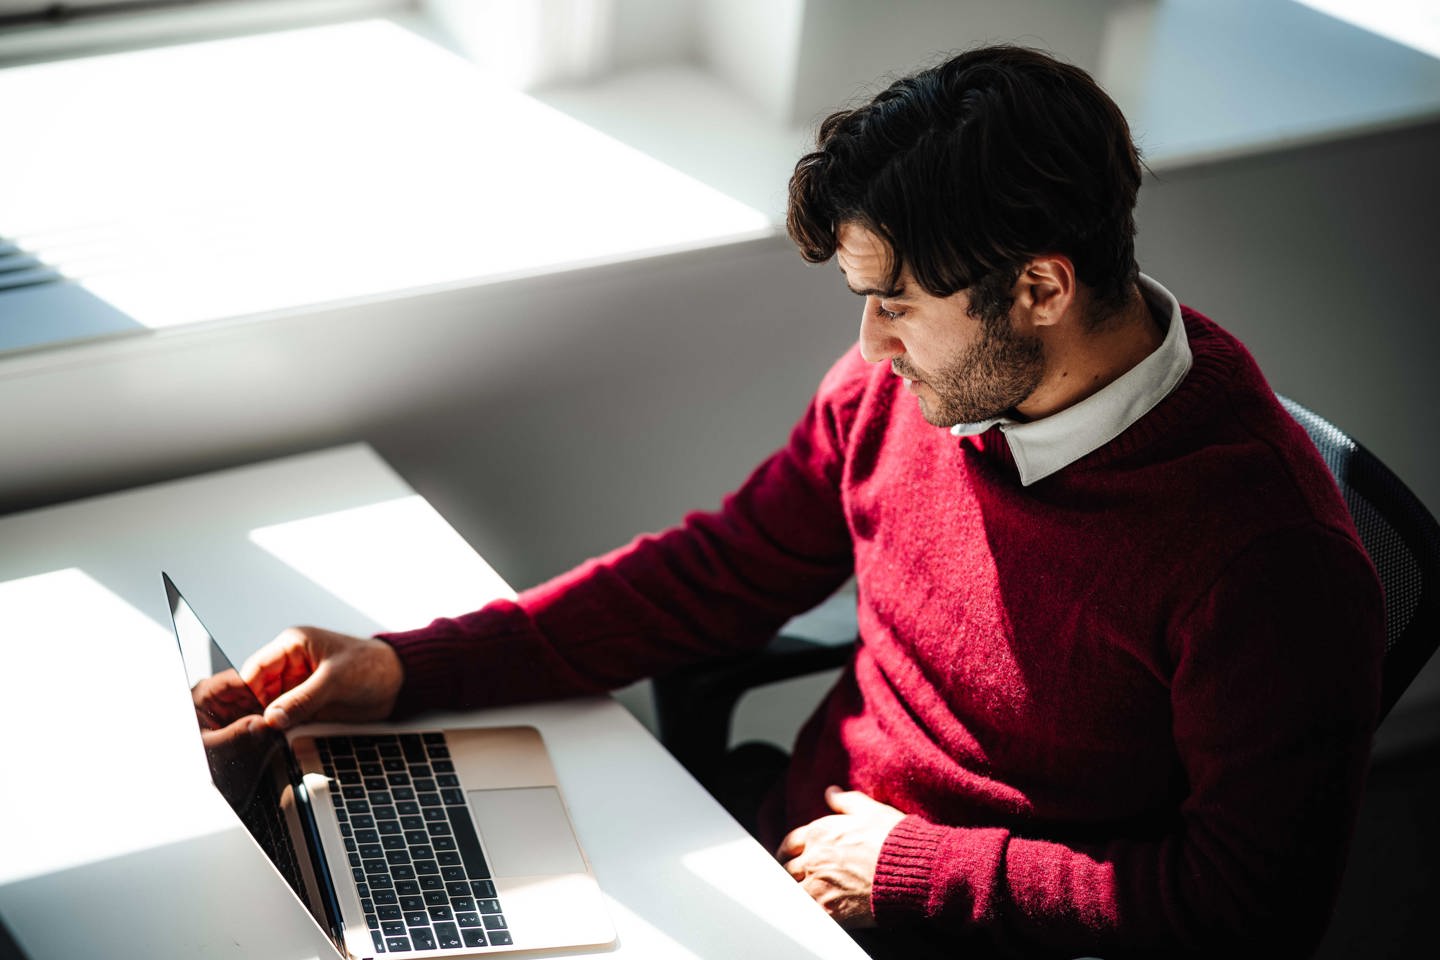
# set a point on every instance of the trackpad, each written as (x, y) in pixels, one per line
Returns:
(525, 832)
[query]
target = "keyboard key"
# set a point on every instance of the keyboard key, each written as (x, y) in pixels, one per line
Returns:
(443, 766)
(416, 918)
(421, 770)
(407, 888)
(443, 843)
(468, 843)
(412, 746)
(367, 836)
(461, 902)
(371, 770)
(401, 780)
(435, 814)
(441, 913)
(415, 902)
(493, 921)
(447, 780)
(393, 928)
(425, 784)
(488, 906)
(389, 912)
(457, 890)
(436, 898)
(453, 873)
(467, 919)
(483, 889)
(474, 938)
(500, 938)
(416, 837)
(394, 765)
(397, 857)
(422, 852)
(431, 882)
(452, 797)
(390, 826)
(422, 938)
(389, 749)
(426, 867)
(397, 943)
(394, 841)
(447, 935)
(402, 871)
(384, 897)
(429, 800)
(384, 812)
(379, 939)
(371, 851)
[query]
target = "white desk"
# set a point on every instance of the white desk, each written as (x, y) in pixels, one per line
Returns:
(124, 828)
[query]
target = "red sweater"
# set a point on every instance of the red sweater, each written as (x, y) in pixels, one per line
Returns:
(1127, 708)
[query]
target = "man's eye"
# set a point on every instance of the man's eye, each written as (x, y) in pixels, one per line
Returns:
(888, 314)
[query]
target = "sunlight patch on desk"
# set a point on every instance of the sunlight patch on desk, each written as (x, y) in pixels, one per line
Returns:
(263, 173)
(781, 903)
(99, 796)
(423, 568)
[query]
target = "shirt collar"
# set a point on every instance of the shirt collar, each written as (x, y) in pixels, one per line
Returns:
(1042, 447)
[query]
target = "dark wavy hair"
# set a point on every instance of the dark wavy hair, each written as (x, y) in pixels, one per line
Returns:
(970, 169)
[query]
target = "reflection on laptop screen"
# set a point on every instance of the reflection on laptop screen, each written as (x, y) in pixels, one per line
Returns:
(248, 759)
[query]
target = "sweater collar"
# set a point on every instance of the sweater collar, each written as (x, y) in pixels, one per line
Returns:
(1042, 447)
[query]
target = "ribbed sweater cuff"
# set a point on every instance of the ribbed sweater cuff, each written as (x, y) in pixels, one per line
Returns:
(430, 675)
(466, 662)
(901, 893)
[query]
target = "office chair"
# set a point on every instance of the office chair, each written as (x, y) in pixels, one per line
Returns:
(694, 705)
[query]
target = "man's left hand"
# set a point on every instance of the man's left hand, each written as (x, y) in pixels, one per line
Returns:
(834, 857)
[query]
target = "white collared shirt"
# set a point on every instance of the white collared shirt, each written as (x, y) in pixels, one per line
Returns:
(1041, 447)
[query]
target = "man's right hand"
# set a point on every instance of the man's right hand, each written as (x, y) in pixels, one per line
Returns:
(307, 673)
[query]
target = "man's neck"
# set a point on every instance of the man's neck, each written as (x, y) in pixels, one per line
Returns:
(1082, 357)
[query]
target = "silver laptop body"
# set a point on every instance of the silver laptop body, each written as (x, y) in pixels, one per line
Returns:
(403, 843)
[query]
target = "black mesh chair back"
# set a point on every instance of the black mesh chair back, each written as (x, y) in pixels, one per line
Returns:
(1403, 541)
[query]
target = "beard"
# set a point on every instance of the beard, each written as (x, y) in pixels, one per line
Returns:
(995, 374)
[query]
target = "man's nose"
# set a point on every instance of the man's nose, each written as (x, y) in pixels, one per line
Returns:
(878, 342)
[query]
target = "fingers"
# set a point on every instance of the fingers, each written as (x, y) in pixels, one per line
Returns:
(300, 703)
(848, 801)
(279, 664)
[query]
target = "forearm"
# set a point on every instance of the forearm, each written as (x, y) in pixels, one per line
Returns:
(718, 583)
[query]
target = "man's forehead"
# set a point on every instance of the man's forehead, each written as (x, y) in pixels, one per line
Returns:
(865, 260)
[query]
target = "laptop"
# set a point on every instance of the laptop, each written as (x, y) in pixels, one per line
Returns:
(400, 843)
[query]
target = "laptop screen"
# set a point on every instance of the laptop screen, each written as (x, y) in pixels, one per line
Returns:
(249, 760)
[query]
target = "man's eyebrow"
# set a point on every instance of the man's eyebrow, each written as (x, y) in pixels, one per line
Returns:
(875, 291)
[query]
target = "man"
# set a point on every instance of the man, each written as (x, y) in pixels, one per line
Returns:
(1119, 645)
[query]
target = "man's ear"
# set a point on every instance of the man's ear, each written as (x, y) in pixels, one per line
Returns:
(1045, 290)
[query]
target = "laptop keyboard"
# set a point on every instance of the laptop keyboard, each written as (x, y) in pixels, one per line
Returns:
(411, 843)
